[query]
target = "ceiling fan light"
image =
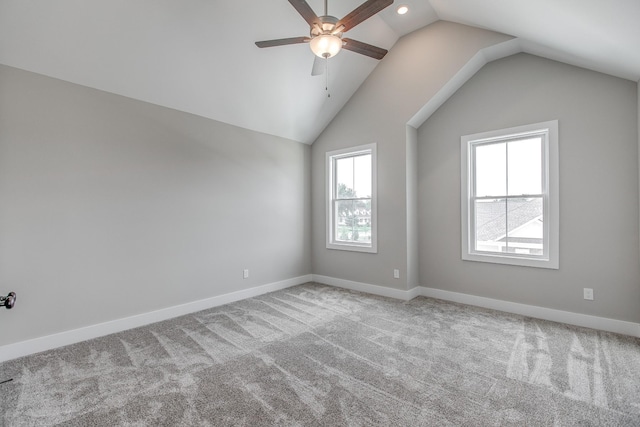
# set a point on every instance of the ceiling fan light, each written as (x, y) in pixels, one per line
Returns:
(326, 45)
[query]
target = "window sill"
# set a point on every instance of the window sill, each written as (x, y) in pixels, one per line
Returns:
(512, 260)
(352, 248)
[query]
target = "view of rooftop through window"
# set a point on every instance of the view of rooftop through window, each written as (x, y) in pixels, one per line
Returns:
(508, 196)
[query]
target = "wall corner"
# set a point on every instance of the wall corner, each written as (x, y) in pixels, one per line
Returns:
(413, 278)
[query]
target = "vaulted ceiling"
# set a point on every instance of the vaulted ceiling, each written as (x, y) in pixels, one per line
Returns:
(199, 56)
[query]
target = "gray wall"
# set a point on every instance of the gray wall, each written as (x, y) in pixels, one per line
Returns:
(417, 67)
(413, 259)
(121, 207)
(598, 146)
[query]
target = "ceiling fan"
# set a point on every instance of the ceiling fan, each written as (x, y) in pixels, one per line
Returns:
(326, 32)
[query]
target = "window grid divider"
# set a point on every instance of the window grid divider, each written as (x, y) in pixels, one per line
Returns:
(548, 255)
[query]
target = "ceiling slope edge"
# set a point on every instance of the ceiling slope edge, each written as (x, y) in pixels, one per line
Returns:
(499, 51)
(153, 104)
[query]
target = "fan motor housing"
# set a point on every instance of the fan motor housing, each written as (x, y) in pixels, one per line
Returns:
(327, 26)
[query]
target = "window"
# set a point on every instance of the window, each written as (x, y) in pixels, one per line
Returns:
(351, 199)
(509, 196)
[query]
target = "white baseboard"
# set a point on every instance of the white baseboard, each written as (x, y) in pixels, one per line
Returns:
(585, 320)
(367, 288)
(36, 345)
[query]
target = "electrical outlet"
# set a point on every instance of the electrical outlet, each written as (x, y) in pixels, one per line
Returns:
(396, 273)
(245, 273)
(588, 294)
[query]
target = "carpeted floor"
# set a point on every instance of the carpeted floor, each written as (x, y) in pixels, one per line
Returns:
(314, 355)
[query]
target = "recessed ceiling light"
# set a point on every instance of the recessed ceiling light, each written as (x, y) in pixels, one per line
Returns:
(402, 10)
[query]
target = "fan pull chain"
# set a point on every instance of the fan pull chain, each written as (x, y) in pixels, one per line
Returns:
(326, 74)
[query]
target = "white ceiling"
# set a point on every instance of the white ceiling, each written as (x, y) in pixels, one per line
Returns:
(199, 56)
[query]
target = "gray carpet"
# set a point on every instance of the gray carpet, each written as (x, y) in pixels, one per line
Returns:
(314, 355)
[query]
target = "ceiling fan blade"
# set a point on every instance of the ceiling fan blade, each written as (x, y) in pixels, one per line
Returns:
(282, 42)
(363, 12)
(305, 11)
(364, 48)
(319, 66)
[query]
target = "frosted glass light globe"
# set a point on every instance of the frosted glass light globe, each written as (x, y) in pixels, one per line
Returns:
(326, 45)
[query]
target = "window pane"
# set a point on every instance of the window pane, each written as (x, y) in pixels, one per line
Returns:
(362, 175)
(353, 221)
(491, 225)
(525, 221)
(525, 166)
(344, 177)
(491, 169)
(351, 199)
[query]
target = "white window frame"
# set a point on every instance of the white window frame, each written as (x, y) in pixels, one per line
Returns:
(550, 196)
(331, 158)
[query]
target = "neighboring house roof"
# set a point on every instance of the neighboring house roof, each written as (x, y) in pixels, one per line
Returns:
(490, 217)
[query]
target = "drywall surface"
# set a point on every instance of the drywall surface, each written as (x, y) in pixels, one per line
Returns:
(413, 260)
(598, 158)
(112, 207)
(417, 67)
